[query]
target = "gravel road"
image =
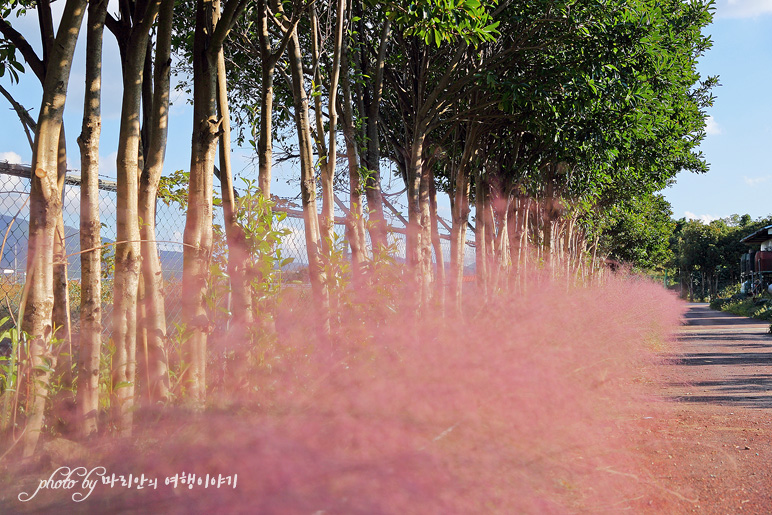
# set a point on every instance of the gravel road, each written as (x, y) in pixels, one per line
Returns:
(712, 453)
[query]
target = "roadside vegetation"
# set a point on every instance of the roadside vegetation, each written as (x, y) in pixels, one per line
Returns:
(752, 307)
(699, 260)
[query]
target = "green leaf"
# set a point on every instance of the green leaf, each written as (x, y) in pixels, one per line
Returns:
(122, 384)
(44, 368)
(492, 27)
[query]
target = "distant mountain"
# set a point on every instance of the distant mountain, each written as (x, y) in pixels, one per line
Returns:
(16, 243)
(15, 251)
(171, 263)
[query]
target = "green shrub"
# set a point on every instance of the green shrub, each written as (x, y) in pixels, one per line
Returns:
(759, 307)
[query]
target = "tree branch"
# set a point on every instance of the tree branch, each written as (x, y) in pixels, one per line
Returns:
(24, 117)
(231, 11)
(19, 41)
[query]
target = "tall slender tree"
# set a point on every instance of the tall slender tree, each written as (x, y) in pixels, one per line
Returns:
(45, 210)
(135, 34)
(87, 401)
(211, 31)
(154, 320)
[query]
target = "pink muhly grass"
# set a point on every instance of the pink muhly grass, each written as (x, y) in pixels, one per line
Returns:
(528, 404)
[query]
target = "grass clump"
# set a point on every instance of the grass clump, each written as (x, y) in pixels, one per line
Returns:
(752, 307)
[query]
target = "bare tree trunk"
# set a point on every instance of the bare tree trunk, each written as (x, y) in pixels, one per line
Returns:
(425, 249)
(513, 224)
(45, 208)
(328, 175)
(210, 34)
(87, 400)
(596, 263)
(264, 142)
(524, 242)
(60, 315)
(371, 110)
(269, 59)
(308, 186)
(568, 245)
(490, 240)
(436, 242)
(501, 243)
(198, 224)
(355, 223)
(242, 310)
(461, 211)
(480, 238)
(127, 250)
(147, 105)
(156, 363)
(414, 172)
(327, 220)
(373, 189)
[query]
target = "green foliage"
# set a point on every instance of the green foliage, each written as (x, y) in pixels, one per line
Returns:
(8, 60)
(445, 21)
(107, 257)
(174, 189)
(711, 252)
(9, 373)
(637, 232)
(758, 308)
(730, 291)
(264, 263)
(263, 235)
(381, 278)
(337, 267)
(19, 378)
(175, 343)
(382, 274)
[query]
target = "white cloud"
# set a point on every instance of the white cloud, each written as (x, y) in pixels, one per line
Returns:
(706, 219)
(10, 157)
(755, 181)
(14, 192)
(107, 165)
(711, 126)
(742, 8)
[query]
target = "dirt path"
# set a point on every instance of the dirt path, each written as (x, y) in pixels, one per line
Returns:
(715, 451)
(726, 360)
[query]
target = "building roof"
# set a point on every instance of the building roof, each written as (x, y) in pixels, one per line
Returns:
(759, 236)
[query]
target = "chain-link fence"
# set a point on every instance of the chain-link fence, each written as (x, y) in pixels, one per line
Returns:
(170, 225)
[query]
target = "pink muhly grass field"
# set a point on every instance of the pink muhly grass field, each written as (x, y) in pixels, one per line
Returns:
(530, 404)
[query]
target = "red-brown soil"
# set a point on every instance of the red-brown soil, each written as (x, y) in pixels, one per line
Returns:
(712, 452)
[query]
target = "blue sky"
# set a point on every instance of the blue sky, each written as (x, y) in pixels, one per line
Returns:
(740, 127)
(737, 145)
(13, 142)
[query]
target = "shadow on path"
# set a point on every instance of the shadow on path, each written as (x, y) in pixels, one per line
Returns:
(730, 365)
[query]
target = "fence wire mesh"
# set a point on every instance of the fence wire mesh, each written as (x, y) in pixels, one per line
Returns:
(170, 225)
